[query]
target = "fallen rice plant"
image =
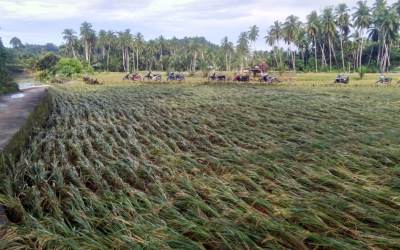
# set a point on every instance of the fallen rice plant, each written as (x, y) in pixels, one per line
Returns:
(208, 167)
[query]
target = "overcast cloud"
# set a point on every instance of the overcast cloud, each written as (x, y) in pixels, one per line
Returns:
(39, 21)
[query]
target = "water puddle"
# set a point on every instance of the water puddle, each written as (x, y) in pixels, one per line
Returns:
(26, 85)
(16, 96)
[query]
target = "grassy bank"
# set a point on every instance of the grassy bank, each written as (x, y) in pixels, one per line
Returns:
(190, 166)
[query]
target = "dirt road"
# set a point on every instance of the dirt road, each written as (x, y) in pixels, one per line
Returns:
(15, 109)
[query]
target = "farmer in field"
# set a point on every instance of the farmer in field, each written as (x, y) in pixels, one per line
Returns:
(264, 67)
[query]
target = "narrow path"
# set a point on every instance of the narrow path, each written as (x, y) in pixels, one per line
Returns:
(15, 110)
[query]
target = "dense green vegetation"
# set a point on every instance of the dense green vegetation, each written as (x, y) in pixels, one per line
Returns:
(6, 84)
(364, 39)
(335, 39)
(128, 166)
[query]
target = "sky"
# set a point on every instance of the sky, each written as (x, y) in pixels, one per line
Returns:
(39, 21)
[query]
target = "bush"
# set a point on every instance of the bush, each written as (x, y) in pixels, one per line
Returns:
(87, 68)
(68, 67)
(361, 72)
(43, 75)
(8, 87)
(5, 58)
(47, 62)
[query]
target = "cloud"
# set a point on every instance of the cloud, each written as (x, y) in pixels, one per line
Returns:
(43, 10)
(44, 20)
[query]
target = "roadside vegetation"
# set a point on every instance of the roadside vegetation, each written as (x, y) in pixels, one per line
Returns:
(6, 84)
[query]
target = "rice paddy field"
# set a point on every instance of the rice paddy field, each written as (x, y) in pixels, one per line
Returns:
(209, 166)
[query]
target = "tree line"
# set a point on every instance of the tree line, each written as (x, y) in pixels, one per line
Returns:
(340, 37)
(337, 38)
(363, 38)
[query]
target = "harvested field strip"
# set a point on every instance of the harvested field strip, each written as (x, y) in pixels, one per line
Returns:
(209, 167)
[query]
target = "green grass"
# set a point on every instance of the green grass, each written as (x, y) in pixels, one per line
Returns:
(6, 88)
(209, 166)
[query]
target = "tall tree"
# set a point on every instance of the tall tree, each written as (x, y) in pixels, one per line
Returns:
(274, 35)
(313, 28)
(161, 45)
(343, 24)
(110, 41)
(102, 43)
(70, 40)
(386, 28)
(88, 36)
(329, 29)
(227, 47)
(16, 43)
(291, 30)
(243, 48)
(362, 21)
(253, 35)
(4, 57)
(139, 44)
(125, 40)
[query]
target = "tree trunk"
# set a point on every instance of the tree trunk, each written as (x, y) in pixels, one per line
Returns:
(133, 61)
(361, 49)
(323, 54)
(194, 61)
(73, 50)
(275, 57)
(315, 54)
(127, 60)
(123, 59)
(294, 60)
(370, 55)
(226, 61)
(330, 54)
(86, 51)
(137, 59)
(230, 60)
(161, 59)
(108, 57)
(342, 52)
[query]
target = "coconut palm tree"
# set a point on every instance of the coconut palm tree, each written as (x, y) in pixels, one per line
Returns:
(329, 29)
(125, 40)
(274, 35)
(139, 43)
(253, 35)
(161, 43)
(386, 21)
(16, 43)
(313, 28)
(102, 43)
(343, 24)
(362, 21)
(396, 6)
(110, 41)
(88, 37)
(227, 47)
(70, 40)
(291, 29)
(242, 48)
